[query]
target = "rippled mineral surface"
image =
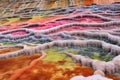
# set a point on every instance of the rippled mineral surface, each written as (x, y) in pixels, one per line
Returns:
(59, 40)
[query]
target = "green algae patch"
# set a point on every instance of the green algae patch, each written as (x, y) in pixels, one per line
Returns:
(96, 53)
(58, 57)
(54, 56)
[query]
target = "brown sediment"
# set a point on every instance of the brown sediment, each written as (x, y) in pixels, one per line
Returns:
(19, 72)
(9, 65)
(6, 50)
(49, 71)
(112, 77)
(62, 62)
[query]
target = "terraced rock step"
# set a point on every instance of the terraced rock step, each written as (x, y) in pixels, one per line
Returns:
(59, 40)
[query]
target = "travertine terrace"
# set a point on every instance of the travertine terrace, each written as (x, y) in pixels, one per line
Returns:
(59, 40)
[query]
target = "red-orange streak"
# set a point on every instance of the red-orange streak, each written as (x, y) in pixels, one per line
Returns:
(19, 72)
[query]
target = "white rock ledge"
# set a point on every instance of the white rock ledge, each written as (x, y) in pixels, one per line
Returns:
(93, 77)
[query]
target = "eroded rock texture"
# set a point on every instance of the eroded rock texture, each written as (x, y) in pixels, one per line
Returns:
(59, 40)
